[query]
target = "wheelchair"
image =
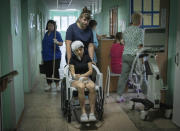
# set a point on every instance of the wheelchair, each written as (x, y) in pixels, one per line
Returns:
(69, 96)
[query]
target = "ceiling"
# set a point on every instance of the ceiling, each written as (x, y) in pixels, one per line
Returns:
(67, 4)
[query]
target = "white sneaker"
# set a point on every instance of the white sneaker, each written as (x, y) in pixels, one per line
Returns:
(92, 117)
(47, 88)
(84, 118)
(58, 88)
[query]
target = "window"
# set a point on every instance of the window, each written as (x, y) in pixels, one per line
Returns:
(150, 10)
(63, 22)
(72, 19)
(57, 19)
(96, 6)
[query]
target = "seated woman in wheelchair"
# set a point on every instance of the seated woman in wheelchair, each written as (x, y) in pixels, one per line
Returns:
(81, 69)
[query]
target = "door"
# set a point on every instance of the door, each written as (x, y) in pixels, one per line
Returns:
(176, 104)
(113, 21)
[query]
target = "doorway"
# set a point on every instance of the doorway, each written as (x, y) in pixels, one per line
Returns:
(113, 21)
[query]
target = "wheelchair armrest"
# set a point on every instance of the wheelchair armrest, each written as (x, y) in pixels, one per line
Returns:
(99, 76)
(96, 69)
(66, 74)
(99, 80)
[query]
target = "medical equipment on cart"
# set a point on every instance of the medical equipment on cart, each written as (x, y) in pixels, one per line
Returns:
(145, 70)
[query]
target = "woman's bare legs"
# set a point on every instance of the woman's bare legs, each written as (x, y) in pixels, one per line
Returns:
(80, 86)
(92, 96)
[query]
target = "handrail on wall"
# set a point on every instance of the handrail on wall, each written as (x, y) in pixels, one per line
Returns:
(5, 79)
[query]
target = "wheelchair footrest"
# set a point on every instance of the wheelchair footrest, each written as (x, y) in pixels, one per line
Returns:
(86, 122)
(89, 125)
(147, 104)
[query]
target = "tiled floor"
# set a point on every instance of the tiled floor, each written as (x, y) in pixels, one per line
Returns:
(42, 113)
(156, 122)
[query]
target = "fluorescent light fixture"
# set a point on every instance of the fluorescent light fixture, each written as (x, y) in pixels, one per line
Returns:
(71, 10)
(64, 10)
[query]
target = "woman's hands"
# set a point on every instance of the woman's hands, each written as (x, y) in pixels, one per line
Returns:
(79, 77)
(122, 41)
(76, 76)
(57, 42)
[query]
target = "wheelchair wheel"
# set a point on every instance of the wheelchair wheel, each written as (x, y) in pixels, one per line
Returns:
(100, 104)
(69, 113)
(69, 118)
(63, 97)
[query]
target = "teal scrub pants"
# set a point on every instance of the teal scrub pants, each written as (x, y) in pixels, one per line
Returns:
(127, 61)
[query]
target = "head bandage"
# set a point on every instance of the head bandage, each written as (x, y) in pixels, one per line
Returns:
(76, 44)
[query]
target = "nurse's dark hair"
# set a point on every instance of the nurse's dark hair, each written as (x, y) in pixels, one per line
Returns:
(52, 22)
(92, 23)
(85, 13)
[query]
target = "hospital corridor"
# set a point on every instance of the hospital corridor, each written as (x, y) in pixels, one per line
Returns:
(74, 65)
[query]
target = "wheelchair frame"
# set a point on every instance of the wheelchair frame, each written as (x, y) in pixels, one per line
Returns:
(68, 93)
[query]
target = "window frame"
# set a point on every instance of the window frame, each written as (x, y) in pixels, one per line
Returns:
(113, 21)
(58, 23)
(68, 24)
(152, 12)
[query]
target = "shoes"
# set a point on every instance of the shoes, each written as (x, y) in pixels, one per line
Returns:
(120, 99)
(84, 117)
(92, 117)
(48, 88)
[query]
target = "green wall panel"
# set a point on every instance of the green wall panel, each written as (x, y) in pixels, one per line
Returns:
(17, 56)
(16, 37)
(103, 17)
(31, 38)
(6, 65)
(172, 48)
(24, 18)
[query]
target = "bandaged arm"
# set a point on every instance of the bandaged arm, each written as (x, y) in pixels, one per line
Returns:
(77, 76)
(71, 68)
